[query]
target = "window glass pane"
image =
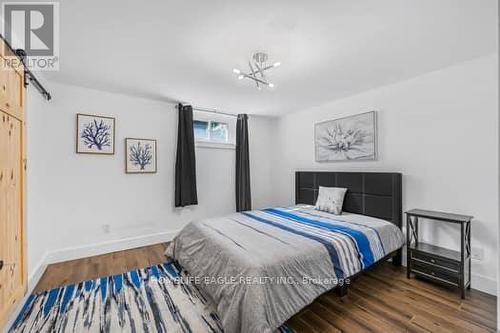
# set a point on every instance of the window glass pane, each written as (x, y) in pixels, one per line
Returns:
(218, 131)
(200, 130)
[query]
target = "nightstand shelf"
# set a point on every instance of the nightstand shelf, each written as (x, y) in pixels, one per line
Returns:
(436, 251)
(436, 263)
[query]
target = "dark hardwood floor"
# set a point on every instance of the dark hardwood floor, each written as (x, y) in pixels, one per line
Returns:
(382, 300)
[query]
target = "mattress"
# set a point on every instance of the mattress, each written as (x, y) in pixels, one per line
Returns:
(261, 267)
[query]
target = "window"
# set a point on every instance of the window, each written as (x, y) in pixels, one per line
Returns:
(211, 131)
(201, 130)
(218, 131)
(214, 131)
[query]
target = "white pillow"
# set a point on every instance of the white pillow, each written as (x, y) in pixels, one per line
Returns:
(330, 199)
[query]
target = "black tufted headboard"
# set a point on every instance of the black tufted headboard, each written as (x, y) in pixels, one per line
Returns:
(376, 194)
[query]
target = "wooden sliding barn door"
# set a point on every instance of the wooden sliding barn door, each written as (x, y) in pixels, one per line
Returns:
(12, 184)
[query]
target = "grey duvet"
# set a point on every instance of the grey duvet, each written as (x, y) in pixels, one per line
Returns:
(262, 267)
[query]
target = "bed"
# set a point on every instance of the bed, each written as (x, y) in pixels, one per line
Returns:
(261, 267)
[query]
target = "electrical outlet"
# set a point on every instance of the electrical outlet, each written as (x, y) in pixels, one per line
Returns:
(477, 253)
(106, 228)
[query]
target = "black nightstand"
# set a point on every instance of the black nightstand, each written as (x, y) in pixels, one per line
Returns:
(436, 263)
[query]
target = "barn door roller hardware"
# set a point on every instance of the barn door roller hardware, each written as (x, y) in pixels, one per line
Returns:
(29, 77)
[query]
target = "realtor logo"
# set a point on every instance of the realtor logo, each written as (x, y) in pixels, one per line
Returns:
(34, 27)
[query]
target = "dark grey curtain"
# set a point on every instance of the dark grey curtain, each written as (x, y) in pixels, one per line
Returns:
(243, 193)
(185, 164)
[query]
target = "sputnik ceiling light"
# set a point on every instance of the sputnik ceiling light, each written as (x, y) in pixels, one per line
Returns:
(258, 67)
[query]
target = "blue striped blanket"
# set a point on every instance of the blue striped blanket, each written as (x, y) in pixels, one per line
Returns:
(261, 267)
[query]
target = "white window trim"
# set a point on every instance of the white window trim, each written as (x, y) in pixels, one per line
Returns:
(214, 145)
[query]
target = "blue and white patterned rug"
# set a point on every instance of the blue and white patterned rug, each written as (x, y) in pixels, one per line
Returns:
(153, 299)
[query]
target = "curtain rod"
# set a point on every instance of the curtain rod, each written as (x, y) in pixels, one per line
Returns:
(21, 55)
(195, 108)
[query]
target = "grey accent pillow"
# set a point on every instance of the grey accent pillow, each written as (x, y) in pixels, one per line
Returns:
(330, 199)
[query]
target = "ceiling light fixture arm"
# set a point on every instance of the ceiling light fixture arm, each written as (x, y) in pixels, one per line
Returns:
(257, 68)
(253, 76)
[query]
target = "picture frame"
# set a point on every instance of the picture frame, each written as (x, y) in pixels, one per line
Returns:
(140, 156)
(95, 134)
(351, 138)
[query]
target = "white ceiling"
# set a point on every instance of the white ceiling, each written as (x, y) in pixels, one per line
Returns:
(185, 50)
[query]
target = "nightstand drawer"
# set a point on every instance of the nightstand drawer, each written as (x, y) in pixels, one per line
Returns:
(434, 272)
(425, 258)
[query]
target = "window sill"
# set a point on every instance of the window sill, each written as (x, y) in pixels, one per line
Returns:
(214, 145)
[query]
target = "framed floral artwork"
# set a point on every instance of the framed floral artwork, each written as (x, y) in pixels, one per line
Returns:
(351, 138)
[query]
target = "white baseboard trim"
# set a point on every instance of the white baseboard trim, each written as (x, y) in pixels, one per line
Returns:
(37, 273)
(484, 284)
(79, 252)
(72, 253)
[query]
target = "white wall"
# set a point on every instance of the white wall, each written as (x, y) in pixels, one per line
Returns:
(72, 196)
(38, 232)
(440, 130)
